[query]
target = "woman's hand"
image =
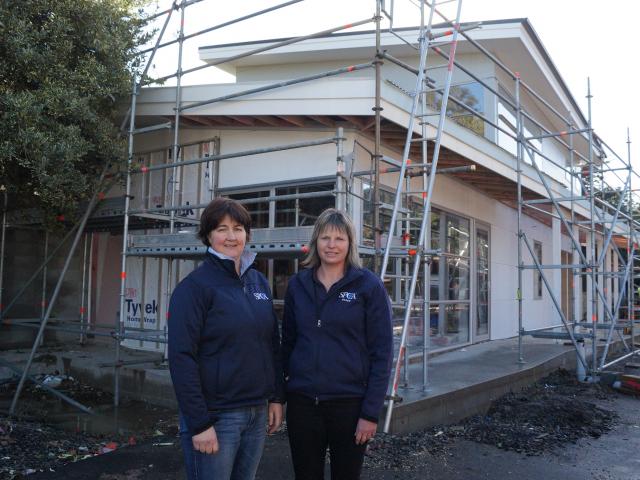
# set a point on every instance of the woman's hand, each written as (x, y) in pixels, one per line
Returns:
(365, 431)
(206, 442)
(275, 417)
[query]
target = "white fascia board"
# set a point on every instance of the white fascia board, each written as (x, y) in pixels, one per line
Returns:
(328, 96)
(552, 80)
(337, 47)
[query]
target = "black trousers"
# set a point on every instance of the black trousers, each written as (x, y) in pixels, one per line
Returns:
(315, 426)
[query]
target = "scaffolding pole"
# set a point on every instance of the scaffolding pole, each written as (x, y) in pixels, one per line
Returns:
(630, 252)
(56, 291)
(422, 249)
(377, 153)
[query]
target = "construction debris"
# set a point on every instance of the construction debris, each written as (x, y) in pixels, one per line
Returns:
(629, 384)
(555, 411)
(34, 442)
(408, 452)
(27, 447)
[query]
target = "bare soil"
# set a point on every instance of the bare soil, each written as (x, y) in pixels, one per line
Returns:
(542, 422)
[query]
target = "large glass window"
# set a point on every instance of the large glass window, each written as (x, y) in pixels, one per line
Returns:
(449, 283)
(482, 281)
(470, 94)
(457, 241)
(416, 209)
(537, 276)
(387, 199)
(299, 212)
(259, 211)
(309, 209)
(286, 209)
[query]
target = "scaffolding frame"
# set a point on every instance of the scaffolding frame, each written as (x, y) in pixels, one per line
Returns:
(603, 221)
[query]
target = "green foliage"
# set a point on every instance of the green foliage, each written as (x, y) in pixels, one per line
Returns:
(611, 195)
(64, 67)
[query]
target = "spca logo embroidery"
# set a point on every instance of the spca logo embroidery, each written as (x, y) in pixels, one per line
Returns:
(347, 296)
(260, 296)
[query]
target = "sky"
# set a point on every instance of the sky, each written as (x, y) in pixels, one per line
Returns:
(584, 38)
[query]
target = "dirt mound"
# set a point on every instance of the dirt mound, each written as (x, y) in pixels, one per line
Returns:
(551, 413)
(554, 411)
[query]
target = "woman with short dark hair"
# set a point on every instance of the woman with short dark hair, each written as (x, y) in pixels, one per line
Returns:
(224, 352)
(337, 351)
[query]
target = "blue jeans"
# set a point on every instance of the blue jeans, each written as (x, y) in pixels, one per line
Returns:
(241, 433)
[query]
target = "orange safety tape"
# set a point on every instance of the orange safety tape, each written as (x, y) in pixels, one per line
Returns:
(452, 55)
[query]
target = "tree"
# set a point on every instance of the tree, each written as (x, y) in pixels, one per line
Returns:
(64, 67)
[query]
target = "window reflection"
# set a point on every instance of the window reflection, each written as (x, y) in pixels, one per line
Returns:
(482, 281)
(470, 94)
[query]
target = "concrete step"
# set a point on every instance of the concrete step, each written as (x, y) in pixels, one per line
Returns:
(561, 335)
(602, 326)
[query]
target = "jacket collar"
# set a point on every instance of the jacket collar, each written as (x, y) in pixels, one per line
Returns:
(246, 260)
(306, 278)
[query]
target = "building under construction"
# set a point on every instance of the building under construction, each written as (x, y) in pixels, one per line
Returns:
(482, 196)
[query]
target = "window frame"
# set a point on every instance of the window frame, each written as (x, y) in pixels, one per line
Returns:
(538, 287)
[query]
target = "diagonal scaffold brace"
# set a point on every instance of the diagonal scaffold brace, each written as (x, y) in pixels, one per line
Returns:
(56, 292)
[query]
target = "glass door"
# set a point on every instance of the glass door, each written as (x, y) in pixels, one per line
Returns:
(482, 312)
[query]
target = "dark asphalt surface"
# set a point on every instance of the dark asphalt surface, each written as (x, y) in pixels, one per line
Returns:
(613, 456)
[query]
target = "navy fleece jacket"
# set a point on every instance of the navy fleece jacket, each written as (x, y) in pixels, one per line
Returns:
(224, 344)
(339, 346)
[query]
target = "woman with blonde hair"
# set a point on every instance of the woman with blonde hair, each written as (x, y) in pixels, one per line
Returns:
(337, 352)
